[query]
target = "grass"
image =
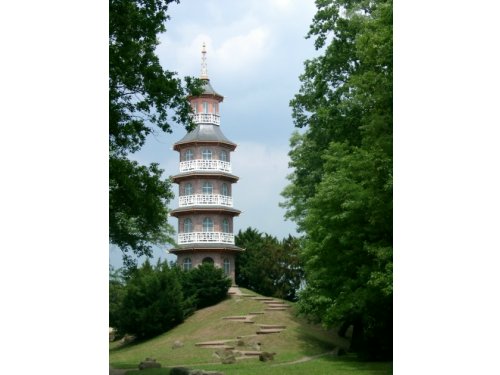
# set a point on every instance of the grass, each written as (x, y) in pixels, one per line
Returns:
(298, 340)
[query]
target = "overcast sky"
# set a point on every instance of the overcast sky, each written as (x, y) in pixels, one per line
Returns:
(255, 54)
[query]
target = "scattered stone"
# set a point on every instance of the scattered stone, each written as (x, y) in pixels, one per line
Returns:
(266, 356)
(203, 372)
(149, 363)
(256, 346)
(226, 356)
(177, 344)
(127, 339)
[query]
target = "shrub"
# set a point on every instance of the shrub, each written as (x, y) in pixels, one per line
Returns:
(207, 283)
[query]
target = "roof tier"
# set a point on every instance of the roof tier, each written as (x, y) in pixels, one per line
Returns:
(205, 133)
(205, 247)
(205, 174)
(208, 209)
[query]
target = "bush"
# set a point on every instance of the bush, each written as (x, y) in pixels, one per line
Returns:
(152, 303)
(207, 283)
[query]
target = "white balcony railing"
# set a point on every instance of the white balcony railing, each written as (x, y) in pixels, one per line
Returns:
(205, 165)
(206, 118)
(205, 237)
(205, 199)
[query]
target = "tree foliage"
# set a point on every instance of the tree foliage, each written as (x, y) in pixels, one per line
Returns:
(153, 301)
(141, 96)
(207, 284)
(340, 192)
(269, 266)
(146, 301)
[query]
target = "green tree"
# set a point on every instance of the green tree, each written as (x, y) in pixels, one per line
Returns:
(340, 192)
(116, 293)
(141, 96)
(153, 301)
(269, 266)
(207, 284)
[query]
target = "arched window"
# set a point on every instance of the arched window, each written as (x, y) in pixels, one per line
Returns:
(206, 154)
(188, 225)
(195, 108)
(205, 107)
(224, 189)
(188, 189)
(208, 225)
(207, 188)
(225, 226)
(227, 267)
(188, 155)
(208, 260)
(223, 155)
(187, 264)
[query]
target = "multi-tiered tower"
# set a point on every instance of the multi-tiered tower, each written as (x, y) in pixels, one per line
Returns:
(205, 181)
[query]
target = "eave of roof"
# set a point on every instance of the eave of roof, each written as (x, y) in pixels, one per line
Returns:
(218, 209)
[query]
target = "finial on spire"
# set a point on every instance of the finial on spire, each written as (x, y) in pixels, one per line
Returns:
(204, 72)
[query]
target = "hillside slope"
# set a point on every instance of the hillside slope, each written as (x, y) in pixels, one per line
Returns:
(291, 339)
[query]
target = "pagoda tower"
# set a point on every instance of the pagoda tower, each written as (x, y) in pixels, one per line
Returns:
(205, 179)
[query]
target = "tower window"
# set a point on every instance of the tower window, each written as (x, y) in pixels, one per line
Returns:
(205, 107)
(225, 226)
(188, 225)
(195, 108)
(206, 154)
(188, 189)
(187, 264)
(207, 188)
(224, 189)
(188, 155)
(223, 155)
(227, 268)
(208, 224)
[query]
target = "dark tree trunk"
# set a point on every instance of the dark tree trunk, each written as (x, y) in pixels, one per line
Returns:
(358, 336)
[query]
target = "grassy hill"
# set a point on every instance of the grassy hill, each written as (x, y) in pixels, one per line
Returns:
(296, 343)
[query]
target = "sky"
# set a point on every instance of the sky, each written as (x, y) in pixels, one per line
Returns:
(255, 54)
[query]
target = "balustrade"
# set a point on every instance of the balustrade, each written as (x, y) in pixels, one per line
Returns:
(205, 165)
(206, 118)
(205, 237)
(205, 199)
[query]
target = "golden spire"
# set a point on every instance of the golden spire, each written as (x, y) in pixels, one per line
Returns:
(204, 72)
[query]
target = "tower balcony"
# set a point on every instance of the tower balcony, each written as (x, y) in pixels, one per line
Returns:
(205, 118)
(205, 200)
(205, 237)
(205, 165)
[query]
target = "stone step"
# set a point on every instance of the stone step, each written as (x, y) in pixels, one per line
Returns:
(266, 331)
(263, 299)
(238, 317)
(274, 302)
(256, 313)
(276, 309)
(278, 305)
(272, 326)
(250, 353)
(216, 342)
(217, 347)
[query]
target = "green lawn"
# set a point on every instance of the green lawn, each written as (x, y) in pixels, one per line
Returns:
(297, 341)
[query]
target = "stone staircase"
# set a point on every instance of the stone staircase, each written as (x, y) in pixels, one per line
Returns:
(236, 346)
